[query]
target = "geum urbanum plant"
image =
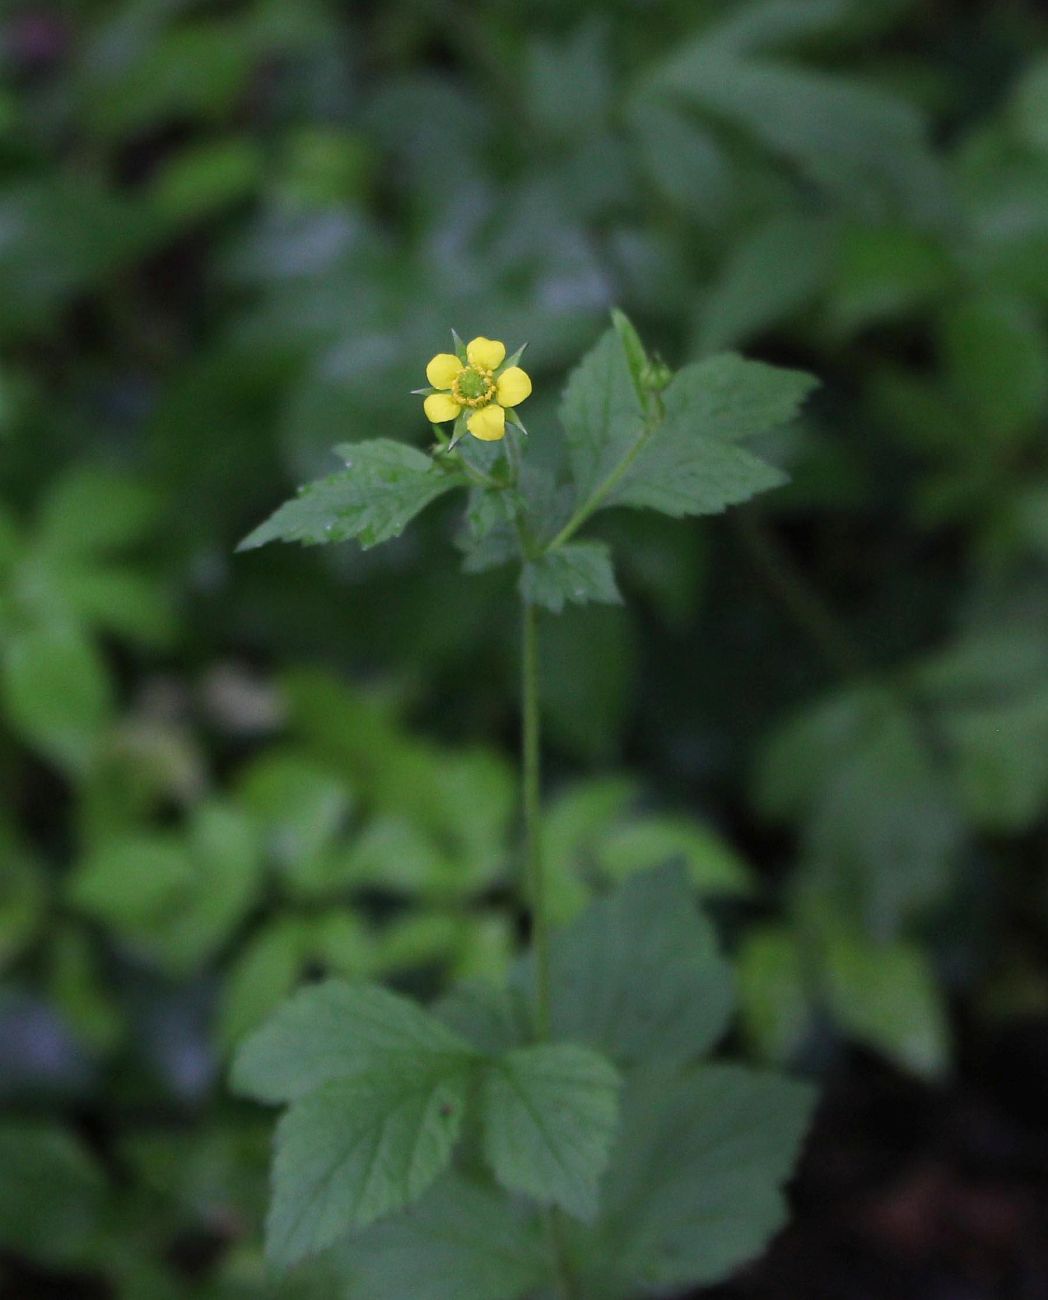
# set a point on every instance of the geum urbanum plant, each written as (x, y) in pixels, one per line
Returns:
(562, 1134)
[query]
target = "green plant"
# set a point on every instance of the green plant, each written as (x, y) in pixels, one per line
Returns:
(563, 1129)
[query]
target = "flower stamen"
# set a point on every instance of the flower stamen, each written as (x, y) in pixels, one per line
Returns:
(473, 387)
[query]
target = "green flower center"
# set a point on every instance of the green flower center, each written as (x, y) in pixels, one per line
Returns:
(473, 386)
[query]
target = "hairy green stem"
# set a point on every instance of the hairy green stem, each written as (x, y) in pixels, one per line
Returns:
(536, 883)
(536, 889)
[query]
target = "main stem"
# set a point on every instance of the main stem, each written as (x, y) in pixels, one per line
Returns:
(536, 883)
(536, 887)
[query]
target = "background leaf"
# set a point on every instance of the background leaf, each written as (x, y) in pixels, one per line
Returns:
(357, 1148)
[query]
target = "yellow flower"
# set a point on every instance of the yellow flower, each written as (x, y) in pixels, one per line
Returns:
(477, 385)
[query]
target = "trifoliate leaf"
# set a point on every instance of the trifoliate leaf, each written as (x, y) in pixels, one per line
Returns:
(601, 413)
(690, 465)
(638, 975)
(358, 1148)
(579, 572)
(335, 1031)
(460, 1240)
(384, 485)
(685, 461)
(549, 1118)
(694, 1190)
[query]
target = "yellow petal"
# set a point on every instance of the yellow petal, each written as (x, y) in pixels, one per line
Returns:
(488, 424)
(486, 353)
(442, 370)
(439, 407)
(513, 386)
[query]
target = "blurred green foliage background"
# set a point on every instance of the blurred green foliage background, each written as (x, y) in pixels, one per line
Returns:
(231, 235)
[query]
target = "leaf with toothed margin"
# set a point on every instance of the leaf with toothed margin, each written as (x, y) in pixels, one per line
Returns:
(550, 1114)
(377, 1087)
(335, 1030)
(692, 463)
(359, 1148)
(695, 1187)
(601, 413)
(578, 572)
(384, 486)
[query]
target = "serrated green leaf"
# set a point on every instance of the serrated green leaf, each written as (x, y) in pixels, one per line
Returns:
(358, 1148)
(682, 475)
(601, 412)
(337, 1031)
(579, 572)
(638, 975)
(460, 1240)
(687, 463)
(729, 398)
(549, 1118)
(489, 538)
(694, 1190)
(383, 487)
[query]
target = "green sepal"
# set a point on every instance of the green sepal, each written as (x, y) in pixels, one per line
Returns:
(513, 418)
(513, 360)
(460, 347)
(458, 432)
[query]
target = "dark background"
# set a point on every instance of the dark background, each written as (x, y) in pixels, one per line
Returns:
(231, 235)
